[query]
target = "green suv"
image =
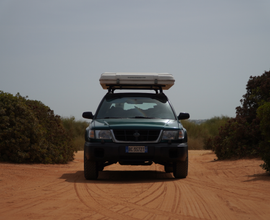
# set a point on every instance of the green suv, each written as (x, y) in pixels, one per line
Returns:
(135, 129)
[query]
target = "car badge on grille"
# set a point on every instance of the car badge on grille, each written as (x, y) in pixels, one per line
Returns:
(136, 134)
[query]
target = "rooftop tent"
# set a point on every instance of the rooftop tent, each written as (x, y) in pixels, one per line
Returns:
(136, 80)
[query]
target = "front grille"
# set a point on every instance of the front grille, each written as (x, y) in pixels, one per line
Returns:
(131, 135)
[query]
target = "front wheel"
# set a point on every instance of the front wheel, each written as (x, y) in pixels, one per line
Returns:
(90, 169)
(180, 169)
(168, 169)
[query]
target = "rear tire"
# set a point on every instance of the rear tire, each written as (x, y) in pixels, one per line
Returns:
(90, 169)
(180, 169)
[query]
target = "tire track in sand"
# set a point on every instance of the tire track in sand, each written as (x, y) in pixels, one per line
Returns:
(154, 203)
(36, 198)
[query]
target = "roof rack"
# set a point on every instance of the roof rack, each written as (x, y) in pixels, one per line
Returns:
(135, 81)
(113, 87)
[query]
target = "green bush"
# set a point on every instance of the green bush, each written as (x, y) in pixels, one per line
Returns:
(245, 135)
(76, 130)
(198, 134)
(264, 116)
(234, 140)
(195, 135)
(30, 132)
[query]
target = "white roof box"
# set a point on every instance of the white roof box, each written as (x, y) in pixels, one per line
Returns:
(136, 80)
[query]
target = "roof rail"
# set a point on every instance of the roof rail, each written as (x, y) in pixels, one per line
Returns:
(156, 88)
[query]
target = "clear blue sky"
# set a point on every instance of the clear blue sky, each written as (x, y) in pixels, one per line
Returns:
(54, 51)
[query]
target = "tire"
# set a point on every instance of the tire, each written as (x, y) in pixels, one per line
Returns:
(100, 168)
(168, 169)
(90, 169)
(180, 169)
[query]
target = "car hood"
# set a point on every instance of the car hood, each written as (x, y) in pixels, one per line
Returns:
(136, 123)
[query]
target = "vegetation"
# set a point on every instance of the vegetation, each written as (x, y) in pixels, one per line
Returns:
(247, 135)
(76, 130)
(198, 134)
(30, 132)
(264, 146)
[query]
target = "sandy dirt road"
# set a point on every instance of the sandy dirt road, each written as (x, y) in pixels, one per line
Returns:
(213, 190)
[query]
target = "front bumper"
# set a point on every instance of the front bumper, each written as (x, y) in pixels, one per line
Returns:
(162, 153)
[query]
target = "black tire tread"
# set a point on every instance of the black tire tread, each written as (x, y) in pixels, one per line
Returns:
(168, 169)
(180, 169)
(90, 170)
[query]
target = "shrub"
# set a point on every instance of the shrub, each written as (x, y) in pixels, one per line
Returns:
(30, 132)
(242, 136)
(76, 130)
(264, 116)
(198, 134)
(234, 140)
(20, 133)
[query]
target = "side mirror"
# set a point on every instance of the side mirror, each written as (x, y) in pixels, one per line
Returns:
(88, 115)
(183, 116)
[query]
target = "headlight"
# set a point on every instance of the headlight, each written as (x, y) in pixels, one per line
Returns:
(103, 134)
(173, 135)
(100, 134)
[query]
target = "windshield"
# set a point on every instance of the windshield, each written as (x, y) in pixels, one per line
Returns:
(135, 107)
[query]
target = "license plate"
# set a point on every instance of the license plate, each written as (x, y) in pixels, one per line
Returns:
(136, 149)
